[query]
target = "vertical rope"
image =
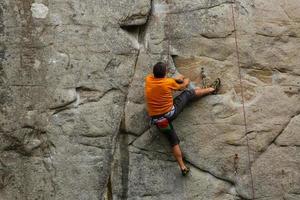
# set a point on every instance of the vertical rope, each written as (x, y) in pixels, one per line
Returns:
(168, 33)
(242, 94)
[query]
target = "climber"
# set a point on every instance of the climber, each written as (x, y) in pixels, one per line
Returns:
(163, 109)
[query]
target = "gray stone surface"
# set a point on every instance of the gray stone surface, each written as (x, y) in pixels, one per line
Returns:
(65, 70)
(73, 121)
(290, 135)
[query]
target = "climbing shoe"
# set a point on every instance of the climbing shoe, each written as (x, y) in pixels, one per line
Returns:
(185, 171)
(216, 85)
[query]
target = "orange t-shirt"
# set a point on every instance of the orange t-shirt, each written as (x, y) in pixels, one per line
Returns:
(158, 93)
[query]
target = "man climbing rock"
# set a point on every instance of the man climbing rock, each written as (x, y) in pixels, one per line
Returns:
(163, 109)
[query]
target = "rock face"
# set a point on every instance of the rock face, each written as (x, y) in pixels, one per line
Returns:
(73, 123)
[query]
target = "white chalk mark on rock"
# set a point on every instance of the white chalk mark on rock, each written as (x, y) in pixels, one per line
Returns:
(159, 9)
(39, 10)
(37, 64)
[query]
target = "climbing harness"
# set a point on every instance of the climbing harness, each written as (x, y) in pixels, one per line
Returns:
(242, 94)
(162, 122)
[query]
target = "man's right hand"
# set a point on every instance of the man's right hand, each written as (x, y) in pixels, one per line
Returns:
(179, 78)
(186, 82)
(179, 81)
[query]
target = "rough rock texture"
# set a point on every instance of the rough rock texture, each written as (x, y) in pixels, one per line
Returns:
(73, 123)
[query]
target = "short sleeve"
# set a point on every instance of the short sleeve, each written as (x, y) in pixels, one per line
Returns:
(172, 84)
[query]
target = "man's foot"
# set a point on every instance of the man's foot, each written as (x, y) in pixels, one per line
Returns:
(216, 85)
(185, 171)
(203, 91)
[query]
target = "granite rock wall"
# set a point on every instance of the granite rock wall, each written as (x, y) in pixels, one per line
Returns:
(73, 123)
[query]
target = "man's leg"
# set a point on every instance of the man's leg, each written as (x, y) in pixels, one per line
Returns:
(178, 156)
(186, 96)
(181, 101)
(174, 142)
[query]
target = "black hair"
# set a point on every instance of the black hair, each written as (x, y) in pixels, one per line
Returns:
(160, 70)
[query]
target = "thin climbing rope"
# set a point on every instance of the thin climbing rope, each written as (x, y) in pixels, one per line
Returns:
(168, 29)
(242, 94)
(168, 32)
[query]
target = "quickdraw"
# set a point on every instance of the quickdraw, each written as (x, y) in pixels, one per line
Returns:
(203, 78)
(235, 164)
